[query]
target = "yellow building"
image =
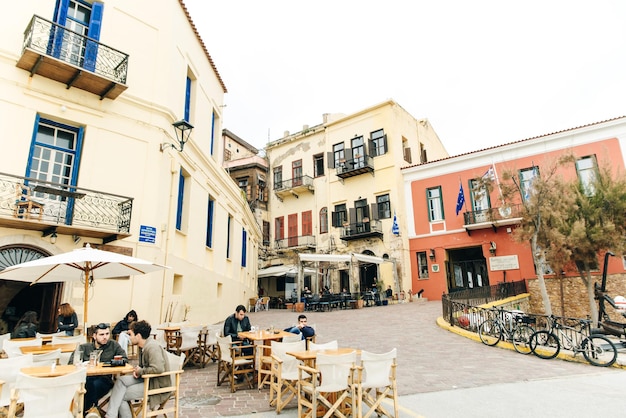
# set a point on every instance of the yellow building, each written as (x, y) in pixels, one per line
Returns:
(96, 96)
(335, 190)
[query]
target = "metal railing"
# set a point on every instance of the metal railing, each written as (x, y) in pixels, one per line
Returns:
(66, 205)
(292, 242)
(492, 214)
(354, 164)
(294, 182)
(361, 228)
(50, 39)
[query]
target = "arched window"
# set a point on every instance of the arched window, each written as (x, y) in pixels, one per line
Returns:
(323, 220)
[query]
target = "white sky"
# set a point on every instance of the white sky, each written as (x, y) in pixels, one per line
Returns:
(483, 72)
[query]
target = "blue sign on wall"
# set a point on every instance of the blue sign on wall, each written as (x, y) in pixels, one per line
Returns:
(147, 234)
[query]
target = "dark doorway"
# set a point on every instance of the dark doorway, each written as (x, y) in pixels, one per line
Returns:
(467, 269)
(41, 298)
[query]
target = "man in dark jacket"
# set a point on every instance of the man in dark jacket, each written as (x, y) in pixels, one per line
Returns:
(98, 386)
(236, 323)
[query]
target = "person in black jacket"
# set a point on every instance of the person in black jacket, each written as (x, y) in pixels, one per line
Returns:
(120, 331)
(67, 320)
(236, 323)
(27, 326)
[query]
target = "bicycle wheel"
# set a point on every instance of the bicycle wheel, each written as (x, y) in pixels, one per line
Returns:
(521, 339)
(599, 350)
(545, 344)
(490, 332)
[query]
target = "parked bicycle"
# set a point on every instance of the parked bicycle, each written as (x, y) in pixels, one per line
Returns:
(507, 326)
(596, 348)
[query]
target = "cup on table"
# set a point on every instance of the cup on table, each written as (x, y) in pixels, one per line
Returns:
(94, 356)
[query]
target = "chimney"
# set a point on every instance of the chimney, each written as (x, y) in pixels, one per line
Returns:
(285, 134)
(305, 127)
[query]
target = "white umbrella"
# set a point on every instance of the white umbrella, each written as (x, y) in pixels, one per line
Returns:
(82, 263)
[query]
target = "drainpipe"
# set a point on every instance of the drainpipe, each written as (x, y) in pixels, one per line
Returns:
(173, 171)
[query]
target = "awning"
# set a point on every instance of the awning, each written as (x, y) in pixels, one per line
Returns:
(369, 259)
(331, 258)
(279, 271)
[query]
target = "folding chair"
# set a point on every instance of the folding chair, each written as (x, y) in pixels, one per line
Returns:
(49, 357)
(234, 364)
(284, 373)
(331, 345)
(378, 384)
(12, 347)
(190, 345)
(51, 397)
(9, 368)
(330, 386)
(293, 338)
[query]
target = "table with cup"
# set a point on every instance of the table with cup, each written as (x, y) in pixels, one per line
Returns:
(94, 366)
(262, 338)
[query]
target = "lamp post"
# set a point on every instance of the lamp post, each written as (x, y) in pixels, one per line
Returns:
(183, 129)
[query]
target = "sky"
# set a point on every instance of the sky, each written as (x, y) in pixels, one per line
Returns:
(484, 73)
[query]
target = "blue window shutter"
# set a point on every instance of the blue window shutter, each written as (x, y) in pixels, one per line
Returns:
(60, 11)
(55, 44)
(91, 48)
(179, 206)
(244, 245)
(209, 231)
(212, 132)
(187, 98)
(228, 238)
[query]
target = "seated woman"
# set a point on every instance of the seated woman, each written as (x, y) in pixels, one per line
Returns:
(27, 326)
(120, 331)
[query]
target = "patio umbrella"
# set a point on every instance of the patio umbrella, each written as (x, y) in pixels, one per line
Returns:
(84, 263)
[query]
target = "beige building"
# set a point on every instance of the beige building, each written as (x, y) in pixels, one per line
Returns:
(91, 92)
(335, 190)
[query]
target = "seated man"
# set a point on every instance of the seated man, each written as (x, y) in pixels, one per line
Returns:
(302, 328)
(236, 323)
(152, 360)
(98, 386)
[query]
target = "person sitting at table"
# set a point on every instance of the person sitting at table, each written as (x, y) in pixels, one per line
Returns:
(98, 386)
(67, 320)
(152, 360)
(120, 331)
(389, 292)
(27, 326)
(236, 323)
(302, 328)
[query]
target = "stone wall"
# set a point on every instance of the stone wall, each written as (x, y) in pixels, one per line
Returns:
(568, 296)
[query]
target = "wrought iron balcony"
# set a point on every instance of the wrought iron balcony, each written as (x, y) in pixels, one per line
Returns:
(360, 230)
(355, 166)
(492, 217)
(63, 55)
(291, 243)
(293, 187)
(28, 203)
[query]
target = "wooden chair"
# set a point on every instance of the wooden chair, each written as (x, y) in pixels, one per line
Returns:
(52, 356)
(9, 368)
(234, 364)
(211, 350)
(24, 204)
(284, 373)
(49, 396)
(331, 345)
(263, 304)
(330, 387)
(375, 382)
(12, 347)
(142, 407)
(190, 345)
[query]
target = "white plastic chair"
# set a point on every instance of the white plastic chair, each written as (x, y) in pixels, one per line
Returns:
(49, 357)
(330, 385)
(50, 397)
(12, 347)
(331, 345)
(9, 368)
(284, 373)
(375, 382)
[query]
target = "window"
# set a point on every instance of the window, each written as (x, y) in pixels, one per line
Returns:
(243, 185)
(180, 204)
(422, 265)
(384, 207)
(266, 234)
(323, 220)
(358, 152)
(296, 172)
(527, 176)
(84, 19)
(213, 127)
(279, 228)
(229, 226)
(187, 98)
(362, 211)
(292, 229)
(209, 222)
(423, 154)
(586, 169)
(339, 154)
(318, 165)
(435, 204)
(406, 151)
(340, 215)
(244, 247)
(480, 200)
(378, 143)
(307, 223)
(278, 177)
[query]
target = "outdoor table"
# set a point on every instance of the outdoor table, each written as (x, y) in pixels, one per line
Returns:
(46, 348)
(264, 338)
(308, 357)
(44, 340)
(99, 370)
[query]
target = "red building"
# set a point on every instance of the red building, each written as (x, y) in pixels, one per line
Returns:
(474, 247)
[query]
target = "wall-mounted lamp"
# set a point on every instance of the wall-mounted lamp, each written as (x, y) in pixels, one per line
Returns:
(52, 232)
(431, 254)
(76, 239)
(53, 238)
(492, 248)
(183, 129)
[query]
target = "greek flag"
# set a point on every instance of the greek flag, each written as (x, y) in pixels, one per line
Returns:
(395, 229)
(460, 200)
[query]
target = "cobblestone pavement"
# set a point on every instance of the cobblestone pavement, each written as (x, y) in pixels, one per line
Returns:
(430, 359)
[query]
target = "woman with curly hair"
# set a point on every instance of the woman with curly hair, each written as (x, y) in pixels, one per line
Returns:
(27, 326)
(67, 321)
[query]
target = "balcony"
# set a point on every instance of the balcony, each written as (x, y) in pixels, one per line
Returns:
(492, 217)
(361, 230)
(293, 187)
(355, 166)
(62, 55)
(293, 243)
(28, 203)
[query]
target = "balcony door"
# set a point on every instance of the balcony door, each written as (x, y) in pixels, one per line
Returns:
(480, 201)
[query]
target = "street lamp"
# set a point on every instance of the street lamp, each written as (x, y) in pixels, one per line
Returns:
(183, 129)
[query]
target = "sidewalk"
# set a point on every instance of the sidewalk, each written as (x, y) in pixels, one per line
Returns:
(437, 369)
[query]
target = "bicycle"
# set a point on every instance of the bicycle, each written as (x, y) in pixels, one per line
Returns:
(507, 326)
(597, 349)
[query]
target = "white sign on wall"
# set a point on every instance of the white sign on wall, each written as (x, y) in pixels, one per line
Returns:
(505, 262)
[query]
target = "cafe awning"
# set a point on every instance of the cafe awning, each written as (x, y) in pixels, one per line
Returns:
(331, 258)
(283, 270)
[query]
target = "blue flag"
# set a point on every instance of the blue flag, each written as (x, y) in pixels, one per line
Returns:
(460, 200)
(395, 229)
